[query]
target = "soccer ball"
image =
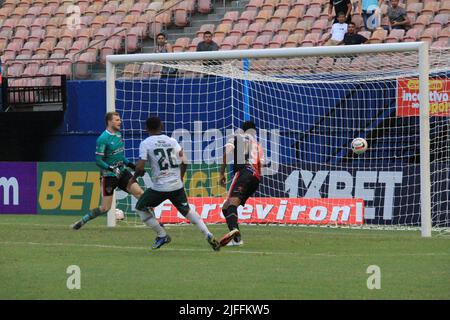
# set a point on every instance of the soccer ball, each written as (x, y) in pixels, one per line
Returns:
(359, 145)
(119, 215)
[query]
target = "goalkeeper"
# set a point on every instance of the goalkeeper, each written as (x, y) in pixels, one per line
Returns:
(114, 166)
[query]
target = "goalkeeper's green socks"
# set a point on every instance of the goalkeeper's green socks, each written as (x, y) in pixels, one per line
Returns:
(92, 215)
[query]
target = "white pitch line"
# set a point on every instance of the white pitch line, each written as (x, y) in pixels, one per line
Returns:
(304, 255)
(301, 229)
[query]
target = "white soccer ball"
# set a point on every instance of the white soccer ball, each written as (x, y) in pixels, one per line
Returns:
(359, 145)
(120, 215)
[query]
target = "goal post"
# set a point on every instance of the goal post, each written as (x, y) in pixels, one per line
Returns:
(272, 81)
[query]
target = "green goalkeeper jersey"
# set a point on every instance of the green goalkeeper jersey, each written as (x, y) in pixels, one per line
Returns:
(110, 151)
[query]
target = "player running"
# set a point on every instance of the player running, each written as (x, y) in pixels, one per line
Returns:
(248, 160)
(168, 166)
(110, 157)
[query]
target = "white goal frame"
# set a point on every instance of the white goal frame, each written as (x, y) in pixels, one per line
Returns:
(420, 47)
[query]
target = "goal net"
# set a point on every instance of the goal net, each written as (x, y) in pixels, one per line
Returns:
(308, 105)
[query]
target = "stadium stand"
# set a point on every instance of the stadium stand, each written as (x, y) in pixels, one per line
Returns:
(45, 29)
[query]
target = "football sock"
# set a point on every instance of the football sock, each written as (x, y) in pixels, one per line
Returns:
(150, 220)
(194, 218)
(231, 217)
(92, 215)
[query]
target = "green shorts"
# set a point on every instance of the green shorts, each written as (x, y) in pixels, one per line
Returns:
(152, 198)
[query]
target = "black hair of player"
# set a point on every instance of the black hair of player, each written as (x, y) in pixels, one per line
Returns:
(154, 124)
(248, 125)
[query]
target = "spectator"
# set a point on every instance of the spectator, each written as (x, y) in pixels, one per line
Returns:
(162, 46)
(338, 31)
(344, 6)
(351, 37)
(369, 9)
(397, 16)
(208, 45)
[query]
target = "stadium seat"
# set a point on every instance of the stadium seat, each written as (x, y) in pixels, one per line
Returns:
(279, 15)
(190, 6)
(270, 28)
(77, 46)
(247, 16)
(295, 14)
(94, 9)
(181, 17)
(31, 69)
(222, 30)
(440, 20)
(245, 42)
(133, 40)
(18, 12)
(414, 8)
(9, 24)
(48, 11)
(440, 44)
(193, 45)
(98, 22)
(357, 19)
(444, 34)
(312, 14)
(284, 4)
(303, 26)
(319, 26)
(52, 34)
(204, 6)
(264, 15)
(85, 34)
(180, 44)
(111, 46)
(254, 5)
(261, 41)
(293, 40)
(165, 19)
(239, 29)
(412, 35)
(311, 40)
(422, 21)
(230, 42)
(378, 36)
(20, 35)
(445, 7)
(24, 23)
(63, 46)
(395, 36)
(431, 7)
(29, 47)
(230, 17)
(113, 21)
(300, 3)
(205, 27)
(278, 41)
(138, 8)
(254, 29)
(429, 34)
(5, 12)
(269, 5)
(287, 27)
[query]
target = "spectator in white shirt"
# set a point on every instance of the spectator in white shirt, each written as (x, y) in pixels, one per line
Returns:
(338, 30)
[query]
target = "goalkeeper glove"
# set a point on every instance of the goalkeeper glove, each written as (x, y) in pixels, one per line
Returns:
(115, 170)
(131, 165)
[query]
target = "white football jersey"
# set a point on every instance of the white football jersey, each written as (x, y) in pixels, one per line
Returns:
(162, 154)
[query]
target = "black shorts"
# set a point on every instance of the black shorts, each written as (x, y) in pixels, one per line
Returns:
(109, 184)
(152, 198)
(244, 185)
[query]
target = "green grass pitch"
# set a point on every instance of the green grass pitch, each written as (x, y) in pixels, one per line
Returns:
(276, 262)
